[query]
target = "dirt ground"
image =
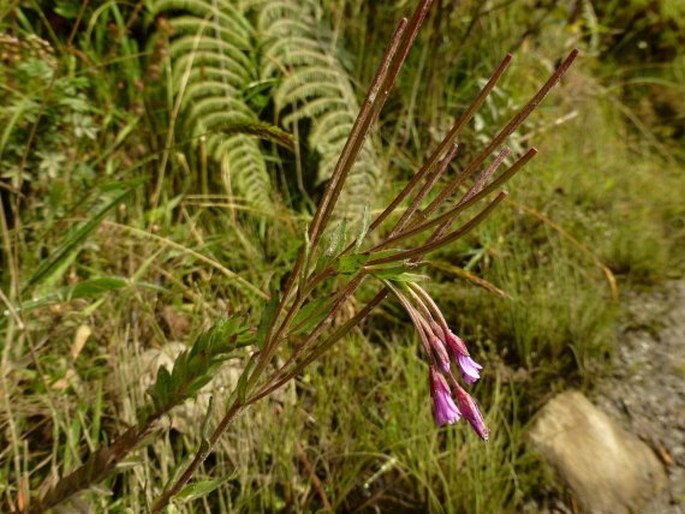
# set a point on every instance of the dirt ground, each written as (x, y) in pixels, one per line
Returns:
(646, 392)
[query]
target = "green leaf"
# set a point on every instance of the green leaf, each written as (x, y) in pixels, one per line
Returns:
(162, 388)
(265, 321)
(351, 264)
(390, 273)
(131, 183)
(67, 9)
(309, 315)
(196, 490)
(334, 241)
(86, 289)
(195, 367)
(205, 430)
(72, 243)
(366, 223)
(241, 388)
(397, 272)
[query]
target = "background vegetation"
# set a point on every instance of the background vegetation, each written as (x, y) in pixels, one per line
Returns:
(159, 159)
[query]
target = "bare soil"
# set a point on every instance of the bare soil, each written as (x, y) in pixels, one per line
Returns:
(646, 391)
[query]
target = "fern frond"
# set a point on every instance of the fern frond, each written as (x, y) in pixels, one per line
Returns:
(307, 53)
(287, 27)
(243, 170)
(301, 92)
(279, 11)
(307, 80)
(189, 25)
(316, 86)
(211, 51)
(315, 109)
(200, 60)
(223, 13)
(196, 91)
(217, 58)
(219, 106)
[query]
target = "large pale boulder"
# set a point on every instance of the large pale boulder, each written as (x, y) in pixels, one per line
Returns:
(608, 470)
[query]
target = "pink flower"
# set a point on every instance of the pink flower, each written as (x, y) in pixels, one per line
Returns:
(469, 369)
(440, 353)
(455, 344)
(469, 408)
(444, 409)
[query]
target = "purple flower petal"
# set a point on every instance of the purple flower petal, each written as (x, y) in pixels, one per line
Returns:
(445, 410)
(470, 369)
(455, 344)
(471, 412)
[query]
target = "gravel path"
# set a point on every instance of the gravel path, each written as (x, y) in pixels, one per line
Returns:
(647, 390)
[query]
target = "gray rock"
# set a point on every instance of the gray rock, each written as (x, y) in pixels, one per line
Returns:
(608, 470)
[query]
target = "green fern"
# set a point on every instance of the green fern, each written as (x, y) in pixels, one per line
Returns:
(314, 85)
(220, 50)
(210, 52)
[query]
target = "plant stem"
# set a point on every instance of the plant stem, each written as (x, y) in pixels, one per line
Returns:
(462, 205)
(96, 468)
(370, 108)
(342, 297)
(316, 352)
(427, 187)
(444, 144)
(438, 243)
(513, 124)
(200, 456)
(375, 99)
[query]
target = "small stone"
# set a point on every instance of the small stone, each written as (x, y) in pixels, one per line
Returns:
(608, 470)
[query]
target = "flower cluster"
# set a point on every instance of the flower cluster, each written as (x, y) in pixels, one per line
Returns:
(442, 348)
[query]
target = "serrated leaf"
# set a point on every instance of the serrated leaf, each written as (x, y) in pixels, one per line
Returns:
(199, 382)
(162, 389)
(195, 367)
(179, 375)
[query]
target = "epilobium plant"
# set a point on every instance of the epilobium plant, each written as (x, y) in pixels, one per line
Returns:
(306, 321)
